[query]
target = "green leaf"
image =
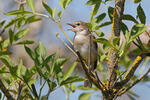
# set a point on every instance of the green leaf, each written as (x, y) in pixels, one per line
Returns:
(40, 50)
(125, 31)
(21, 34)
(72, 79)
(47, 8)
(94, 11)
(141, 14)
(30, 53)
(110, 12)
(104, 24)
(116, 41)
(21, 69)
(59, 14)
(130, 18)
(31, 5)
(100, 17)
(99, 33)
(92, 2)
(103, 41)
(32, 19)
(49, 58)
(2, 23)
(13, 21)
(6, 60)
(85, 96)
(11, 36)
(25, 42)
(18, 12)
(137, 30)
(5, 43)
(54, 12)
(63, 3)
(69, 1)
(5, 53)
(69, 71)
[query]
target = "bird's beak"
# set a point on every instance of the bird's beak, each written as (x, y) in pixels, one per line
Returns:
(71, 25)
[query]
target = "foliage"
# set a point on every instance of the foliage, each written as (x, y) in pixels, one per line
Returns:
(48, 69)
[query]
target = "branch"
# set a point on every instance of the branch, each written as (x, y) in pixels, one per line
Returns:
(19, 90)
(116, 28)
(5, 91)
(135, 82)
(130, 72)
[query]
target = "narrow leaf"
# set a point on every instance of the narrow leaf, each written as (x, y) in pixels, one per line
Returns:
(31, 5)
(25, 42)
(130, 18)
(11, 36)
(63, 3)
(69, 71)
(100, 17)
(2, 23)
(21, 34)
(6, 60)
(54, 12)
(18, 12)
(47, 8)
(30, 53)
(141, 14)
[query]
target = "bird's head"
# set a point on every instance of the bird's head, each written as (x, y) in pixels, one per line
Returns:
(78, 26)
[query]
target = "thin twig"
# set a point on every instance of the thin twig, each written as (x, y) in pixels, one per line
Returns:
(19, 90)
(137, 45)
(66, 45)
(20, 2)
(135, 82)
(148, 34)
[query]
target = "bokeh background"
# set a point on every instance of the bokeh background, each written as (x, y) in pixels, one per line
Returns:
(45, 30)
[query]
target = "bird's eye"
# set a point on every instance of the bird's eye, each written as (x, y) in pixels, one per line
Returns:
(78, 24)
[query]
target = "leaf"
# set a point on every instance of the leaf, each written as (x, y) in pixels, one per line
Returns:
(21, 69)
(92, 2)
(5, 53)
(59, 14)
(25, 42)
(32, 19)
(95, 9)
(18, 12)
(54, 12)
(125, 31)
(6, 61)
(104, 24)
(11, 36)
(72, 79)
(137, 30)
(40, 50)
(63, 3)
(31, 5)
(21, 34)
(47, 8)
(13, 21)
(69, 71)
(2, 23)
(99, 33)
(103, 41)
(85, 96)
(116, 40)
(110, 12)
(100, 17)
(141, 14)
(69, 1)
(49, 58)
(130, 18)
(30, 53)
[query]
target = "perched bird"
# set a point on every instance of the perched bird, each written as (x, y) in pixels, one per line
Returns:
(81, 43)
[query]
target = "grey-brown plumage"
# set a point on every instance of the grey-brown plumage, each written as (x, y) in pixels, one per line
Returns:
(81, 43)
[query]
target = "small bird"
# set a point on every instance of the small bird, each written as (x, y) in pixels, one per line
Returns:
(81, 43)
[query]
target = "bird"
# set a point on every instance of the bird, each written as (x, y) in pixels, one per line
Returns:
(81, 43)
